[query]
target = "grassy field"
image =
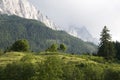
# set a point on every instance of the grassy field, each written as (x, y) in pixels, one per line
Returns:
(56, 66)
(11, 57)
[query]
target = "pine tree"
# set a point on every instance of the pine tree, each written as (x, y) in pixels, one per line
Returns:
(106, 47)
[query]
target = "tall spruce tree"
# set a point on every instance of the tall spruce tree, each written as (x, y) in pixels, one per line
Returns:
(106, 47)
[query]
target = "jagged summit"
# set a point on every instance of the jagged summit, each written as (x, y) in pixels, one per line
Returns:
(24, 9)
(82, 33)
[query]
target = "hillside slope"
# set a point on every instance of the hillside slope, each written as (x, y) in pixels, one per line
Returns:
(11, 57)
(57, 66)
(39, 36)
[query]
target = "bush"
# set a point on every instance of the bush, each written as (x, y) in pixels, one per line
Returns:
(62, 47)
(71, 72)
(1, 73)
(19, 71)
(112, 74)
(20, 46)
(91, 71)
(53, 48)
(51, 69)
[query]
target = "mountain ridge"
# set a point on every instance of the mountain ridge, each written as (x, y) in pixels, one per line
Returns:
(23, 8)
(40, 31)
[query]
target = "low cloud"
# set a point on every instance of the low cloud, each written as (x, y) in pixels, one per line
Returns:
(94, 14)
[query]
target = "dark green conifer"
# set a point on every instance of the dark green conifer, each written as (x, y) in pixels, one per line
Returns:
(106, 47)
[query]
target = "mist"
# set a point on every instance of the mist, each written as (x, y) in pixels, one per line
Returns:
(94, 14)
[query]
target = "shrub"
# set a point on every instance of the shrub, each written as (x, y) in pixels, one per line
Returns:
(71, 72)
(51, 69)
(53, 48)
(19, 71)
(20, 46)
(112, 74)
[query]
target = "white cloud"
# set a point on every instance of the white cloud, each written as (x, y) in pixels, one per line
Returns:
(94, 14)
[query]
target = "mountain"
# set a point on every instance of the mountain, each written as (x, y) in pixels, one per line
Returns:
(23, 8)
(82, 33)
(39, 35)
(38, 29)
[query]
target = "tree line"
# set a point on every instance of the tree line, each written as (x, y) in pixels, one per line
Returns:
(23, 46)
(107, 48)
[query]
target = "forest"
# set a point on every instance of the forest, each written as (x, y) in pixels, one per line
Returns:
(13, 28)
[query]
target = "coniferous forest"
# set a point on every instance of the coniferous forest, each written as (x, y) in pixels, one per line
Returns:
(13, 28)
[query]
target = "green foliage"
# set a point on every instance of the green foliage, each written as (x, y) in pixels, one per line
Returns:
(1, 52)
(106, 47)
(27, 58)
(112, 74)
(19, 71)
(117, 47)
(53, 48)
(63, 47)
(1, 73)
(51, 69)
(20, 46)
(40, 37)
(92, 72)
(21, 66)
(71, 72)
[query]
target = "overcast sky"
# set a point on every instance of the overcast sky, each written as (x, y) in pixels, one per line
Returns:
(94, 14)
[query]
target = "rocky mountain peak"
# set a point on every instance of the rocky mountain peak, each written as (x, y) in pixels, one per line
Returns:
(82, 33)
(23, 8)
